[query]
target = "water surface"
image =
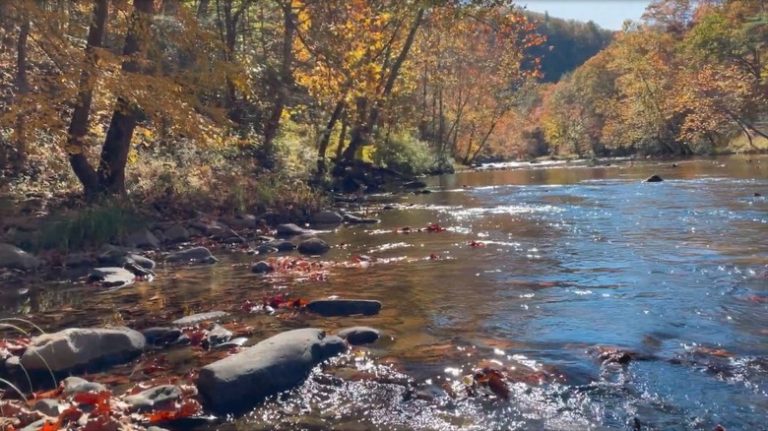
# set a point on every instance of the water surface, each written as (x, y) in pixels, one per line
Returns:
(575, 259)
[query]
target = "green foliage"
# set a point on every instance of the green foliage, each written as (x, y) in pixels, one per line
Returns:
(404, 153)
(91, 226)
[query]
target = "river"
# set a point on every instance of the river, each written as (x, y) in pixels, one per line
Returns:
(568, 261)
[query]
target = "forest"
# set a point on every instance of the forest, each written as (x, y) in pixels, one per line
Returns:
(173, 100)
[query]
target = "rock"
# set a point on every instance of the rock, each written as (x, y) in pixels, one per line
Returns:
(161, 336)
(176, 234)
(235, 342)
(327, 218)
(355, 219)
(216, 335)
(357, 335)
(143, 238)
(281, 245)
(244, 221)
(415, 184)
(265, 249)
(313, 246)
(654, 179)
(47, 407)
(262, 267)
(78, 260)
(77, 348)
(212, 228)
(273, 365)
(192, 255)
(76, 385)
(289, 229)
(344, 307)
(154, 398)
(200, 317)
(111, 277)
(16, 258)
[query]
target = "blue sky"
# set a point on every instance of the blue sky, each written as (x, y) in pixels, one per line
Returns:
(608, 14)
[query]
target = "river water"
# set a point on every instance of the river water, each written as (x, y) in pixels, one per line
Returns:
(569, 261)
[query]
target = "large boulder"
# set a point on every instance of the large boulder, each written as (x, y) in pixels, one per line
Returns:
(81, 348)
(313, 246)
(276, 364)
(192, 255)
(177, 233)
(16, 258)
(654, 179)
(112, 277)
(327, 218)
(344, 307)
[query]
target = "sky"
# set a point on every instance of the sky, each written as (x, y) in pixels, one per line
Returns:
(609, 14)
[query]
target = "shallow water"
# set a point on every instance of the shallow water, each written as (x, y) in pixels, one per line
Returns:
(575, 258)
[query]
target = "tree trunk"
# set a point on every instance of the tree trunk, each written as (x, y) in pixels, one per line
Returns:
(22, 88)
(362, 131)
(284, 81)
(114, 153)
(325, 138)
(202, 9)
(342, 136)
(78, 127)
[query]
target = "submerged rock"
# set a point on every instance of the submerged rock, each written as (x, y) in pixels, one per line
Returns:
(276, 364)
(161, 336)
(327, 218)
(154, 398)
(16, 258)
(654, 179)
(415, 184)
(313, 246)
(262, 267)
(357, 335)
(86, 348)
(355, 219)
(290, 229)
(192, 255)
(200, 317)
(344, 307)
(111, 277)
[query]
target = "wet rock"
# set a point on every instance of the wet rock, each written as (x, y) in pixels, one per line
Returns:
(176, 234)
(16, 258)
(154, 398)
(313, 246)
(216, 335)
(143, 238)
(289, 229)
(86, 348)
(77, 385)
(111, 277)
(415, 184)
(161, 336)
(200, 317)
(192, 255)
(355, 219)
(243, 221)
(654, 179)
(327, 218)
(344, 307)
(281, 245)
(358, 335)
(235, 342)
(47, 407)
(273, 365)
(266, 249)
(262, 267)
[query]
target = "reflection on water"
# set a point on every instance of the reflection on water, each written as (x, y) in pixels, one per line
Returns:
(573, 258)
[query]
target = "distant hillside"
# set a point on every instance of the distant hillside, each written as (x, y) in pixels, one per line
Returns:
(569, 44)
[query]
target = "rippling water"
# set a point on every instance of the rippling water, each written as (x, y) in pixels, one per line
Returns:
(575, 259)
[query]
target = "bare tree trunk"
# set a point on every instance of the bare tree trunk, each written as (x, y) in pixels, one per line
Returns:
(202, 9)
(22, 88)
(114, 153)
(284, 80)
(325, 138)
(361, 132)
(342, 136)
(78, 127)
